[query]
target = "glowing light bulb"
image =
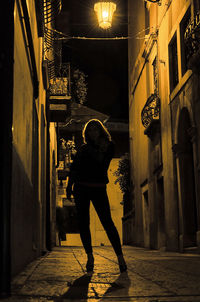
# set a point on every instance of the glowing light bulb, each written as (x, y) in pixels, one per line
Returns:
(105, 14)
(105, 11)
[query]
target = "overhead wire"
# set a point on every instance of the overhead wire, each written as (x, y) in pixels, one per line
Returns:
(63, 36)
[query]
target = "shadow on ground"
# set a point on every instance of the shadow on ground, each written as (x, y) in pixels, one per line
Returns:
(86, 287)
(122, 283)
(79, 288)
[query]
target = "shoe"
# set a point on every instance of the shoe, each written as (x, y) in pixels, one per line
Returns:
(90, 263)
(122, 264)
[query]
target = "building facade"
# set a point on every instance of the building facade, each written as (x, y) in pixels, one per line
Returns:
(164, 102)
(31, 108)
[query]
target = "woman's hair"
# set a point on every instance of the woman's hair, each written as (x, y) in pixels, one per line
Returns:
(102, 129)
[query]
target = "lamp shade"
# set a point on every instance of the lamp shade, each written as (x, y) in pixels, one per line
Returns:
(105, 11)
(155, 1)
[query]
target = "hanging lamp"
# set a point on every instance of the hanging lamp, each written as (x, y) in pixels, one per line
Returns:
(105, 11)
(155, 1)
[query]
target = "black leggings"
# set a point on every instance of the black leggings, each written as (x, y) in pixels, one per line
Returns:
(98, 195)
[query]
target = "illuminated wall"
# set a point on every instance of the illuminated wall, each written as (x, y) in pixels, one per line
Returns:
(28, 211)
(156, 31)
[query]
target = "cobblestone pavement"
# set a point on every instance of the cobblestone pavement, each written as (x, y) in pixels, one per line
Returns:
(152, 276)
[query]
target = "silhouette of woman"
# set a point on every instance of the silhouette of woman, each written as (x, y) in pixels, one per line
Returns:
(88, 177)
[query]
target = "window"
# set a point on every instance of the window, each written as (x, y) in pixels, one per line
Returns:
(173, 63)
(184, 52)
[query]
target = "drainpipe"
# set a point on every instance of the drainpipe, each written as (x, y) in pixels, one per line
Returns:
(48, 182)
(6, 69)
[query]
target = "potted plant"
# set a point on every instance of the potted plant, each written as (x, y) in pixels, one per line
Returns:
(79, 86)
(123, 177)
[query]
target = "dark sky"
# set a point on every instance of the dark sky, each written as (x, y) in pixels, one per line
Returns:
(104, 62)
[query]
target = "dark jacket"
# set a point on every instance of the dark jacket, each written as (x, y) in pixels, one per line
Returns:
(90, 164)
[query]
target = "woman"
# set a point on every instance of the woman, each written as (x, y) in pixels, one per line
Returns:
(88, 176)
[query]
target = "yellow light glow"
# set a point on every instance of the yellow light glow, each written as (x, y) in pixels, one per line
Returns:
(105, 14)
(105, 11)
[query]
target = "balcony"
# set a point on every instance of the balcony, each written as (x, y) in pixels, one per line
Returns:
(150, 114)
(192, 42)
(51, 9)
(60, 95)
(60, 84)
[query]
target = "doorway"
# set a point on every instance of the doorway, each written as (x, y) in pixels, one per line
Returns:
(186, 183)
(161, 214)
(146, 218)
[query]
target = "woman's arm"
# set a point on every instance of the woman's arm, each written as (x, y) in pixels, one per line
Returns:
(73, 173)
(69, 188)
(108, 155)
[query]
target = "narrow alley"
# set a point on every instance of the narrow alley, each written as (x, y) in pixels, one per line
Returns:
(152, 276)
(100, 103)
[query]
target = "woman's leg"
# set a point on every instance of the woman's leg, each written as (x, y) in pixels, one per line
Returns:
(82, 201)
(102, 207)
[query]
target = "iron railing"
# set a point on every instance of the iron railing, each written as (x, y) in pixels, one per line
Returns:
(51, 9)
(60, 81)
(151, 110)
(192, 36)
